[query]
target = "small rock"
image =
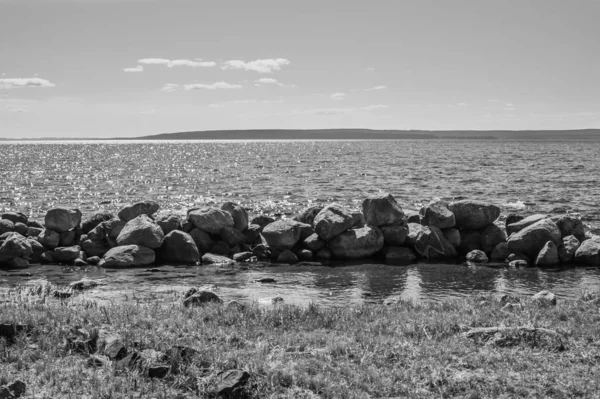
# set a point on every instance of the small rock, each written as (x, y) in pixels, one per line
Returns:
(93, 260)
(234, 305)
(158, 371)
(500, 252)
(394, 235)
(17, 388)
(232, 382)
(211, 259)
(392, 300)
(211, 219)
(128, 256)
(308, 215)
(545, 298)
(265, 280)
(97, 361)
(314, 242)
(239, 215)
(169, 223)
(477, 256)
(84, 284)
(114, 348)
(262, 220)
(62, 294)
(80, 262)
(518, 263)
(243, 256)
(200, 298)
(66, 254)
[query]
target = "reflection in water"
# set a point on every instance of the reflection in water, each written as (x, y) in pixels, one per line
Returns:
(342, 285)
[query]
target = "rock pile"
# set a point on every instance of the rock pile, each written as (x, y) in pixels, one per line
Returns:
(463, 229)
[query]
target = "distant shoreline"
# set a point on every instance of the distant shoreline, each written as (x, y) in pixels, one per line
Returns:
(352, 134)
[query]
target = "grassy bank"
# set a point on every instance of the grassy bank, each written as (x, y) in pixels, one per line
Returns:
(403, 350)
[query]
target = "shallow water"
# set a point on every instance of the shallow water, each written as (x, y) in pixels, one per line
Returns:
(280, 178)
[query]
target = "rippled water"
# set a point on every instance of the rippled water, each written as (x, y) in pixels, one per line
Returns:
(279, 178)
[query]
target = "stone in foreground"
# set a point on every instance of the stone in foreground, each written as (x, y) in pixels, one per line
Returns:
(61, 219)
(430, 243)
(332, 221)
(545, 298)
(179, 247)
(437, 214)
(477, 256)
(143, 231)
(532, 239)
(357, 243)
(475, 215)
(382, 209)
(211, 219)
(200, 298)
(128, 256)
(548, 256)
(283, 233)
(15, 247)
(589, 252)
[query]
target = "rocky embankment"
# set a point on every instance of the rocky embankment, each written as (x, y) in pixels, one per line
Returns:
(441, 231)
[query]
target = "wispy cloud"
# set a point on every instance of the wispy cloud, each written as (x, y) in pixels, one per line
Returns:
(338, 96)
(373, 107)
(197, 63)
(169, 87)
(249, 101)
(138, 68)
(12, 83)
(377, 88)
(212, 86)
(271, 81)
(261, 66)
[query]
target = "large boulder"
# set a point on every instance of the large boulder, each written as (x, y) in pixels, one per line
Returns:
(179, 247)
(430, 243)
(356, 243)
(203, 240)
(142, 231)
(239, 215)
(567, 251)
(130, 212)
(589, 252)
(168, 223)
(49, 238)
(127, 256)
(95, 247)
(16, 217)
(308, 215)
(548, 255)
(437, 214)
(61, 219)
(283, 233)
(332, 221)
(394, 235)
(66, 254)
(211, 219)
(570, 226)
(474, 215)
(490, 237)
(6, 226)
(94, 220)
(519, 225)
(382, 209)
(15, 246)
(532, 239)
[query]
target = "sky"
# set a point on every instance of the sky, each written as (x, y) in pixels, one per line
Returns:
(124, 68)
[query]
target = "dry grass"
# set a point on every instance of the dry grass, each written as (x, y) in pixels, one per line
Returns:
(405, 350)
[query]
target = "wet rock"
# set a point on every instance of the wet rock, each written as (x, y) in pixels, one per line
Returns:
(588, 252)
(357, 243)
(477, 256)
(332, 221)
(500, 252)
(37, 250)
(382, 209)
(95, 248)
(262, 220)
(525, 222)
(47, 257)
(548, 255)
(324, 254)
(243, 256)
(232, 236)
(211, 259)
(566, 252)
(532, 239)
(141, 231)
(231, 383)
(169, 223)
(203, 240)
(512, 218)
(21, 228)
(392, 300)
(490, 237)
(131, 212)
(128, 256)
(200, 298)
(221, 248)
(314, 242)
(430, 243)
(545, 298)
(49, 238)
(61, 219)
(305, 255)
(306, 230)
(16, 217)
(211, 219)
(252, 234)
(282, 234)
(394, 235)
(6, 226)
(34, 231)
(437, 214)
(15, 246)
(470, 240)
(265, 280)
(66, 254)
(570, 226)
(239, 215)
(179, 247)
(453, 237)
(399, 255)
(474, 215)
(287, 256)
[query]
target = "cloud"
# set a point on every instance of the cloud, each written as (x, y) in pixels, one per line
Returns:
(377, 88)
(261, 66)
(338, 96)
(138, 68)
(249, 101)
(212, 86)
(374, 107)
(169, 87)
(24, 82)
(271, 81)
(198, 63)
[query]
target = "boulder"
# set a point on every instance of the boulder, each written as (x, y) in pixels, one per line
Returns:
(414, 229)
(142, 231)
(314, 242)
(15, 246)
(239, 215)
(211, 219)
(470, 240)
(524, 222)
(532, 239)
(490, 237)
(128, 256)
(94, 247)
(589, 252)
(262, 220)
(566, 252)
(453, 236)
(21, 228)
(382, 209)
(437, 214)
(357, 243)
(34, 231)
(394, 235)
(200, 298)
(287, 256)
(130, 212)
(16, 217)
(399, 255)
(61, 219)
(308, 215)
(548, 255)
(570, 226)
(500, 252)
(6, 226)
(107, 230)
(282, 234)
(431, 244)
(47, 257)
(477, 256)
(94, 220)
(358, 219)
(232, 236)
(474, 215)
(203, 240)
(37, 250)
(66, 254)
(332, 221)
(231, 383)
(168, 223)
(179, 247)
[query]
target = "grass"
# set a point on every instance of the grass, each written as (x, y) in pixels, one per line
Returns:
(372, 351)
